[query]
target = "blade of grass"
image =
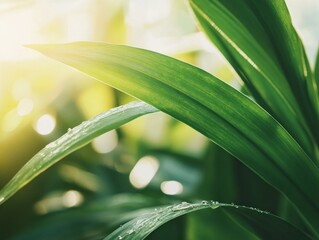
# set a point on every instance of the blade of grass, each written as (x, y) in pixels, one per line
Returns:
(74, 139)
(266, 226)
(246, 38)
(195, 97)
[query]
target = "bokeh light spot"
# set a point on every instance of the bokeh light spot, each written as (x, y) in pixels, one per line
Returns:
(72, 198)
(45, 124)
(144, 171)
(25, 107)
(11, 121)
(171, 187)
(105, 143)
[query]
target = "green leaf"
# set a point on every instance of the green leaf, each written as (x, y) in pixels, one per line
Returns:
(74, 139)
(316, 72)
(266, 226)
(205, 225)
(235, 183)
(260, 42)
(221, 113)
(94, 219)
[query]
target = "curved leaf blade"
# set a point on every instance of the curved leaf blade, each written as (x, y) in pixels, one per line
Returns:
(74, 139)
(210, 106)
(94, 219)
(266, 226)
(316, 72)
(269, 56)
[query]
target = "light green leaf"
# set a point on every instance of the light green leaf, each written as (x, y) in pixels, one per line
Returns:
(74, 139)
(195, 97)
(266, 226)
(260, 42)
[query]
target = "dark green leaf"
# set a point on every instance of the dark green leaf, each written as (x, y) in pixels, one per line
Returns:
(90, 221)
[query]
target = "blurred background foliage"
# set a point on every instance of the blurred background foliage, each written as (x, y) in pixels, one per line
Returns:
(151, 161)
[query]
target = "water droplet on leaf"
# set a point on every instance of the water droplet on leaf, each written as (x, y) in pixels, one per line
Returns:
(214, 204)
(182, 206)
(204, 203)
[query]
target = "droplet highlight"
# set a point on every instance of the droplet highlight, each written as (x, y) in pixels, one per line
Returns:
(182, 206)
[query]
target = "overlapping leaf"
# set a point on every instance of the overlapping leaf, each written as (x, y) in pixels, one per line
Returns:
(74, 139)
(267, 227)
(92, 220)
(260, 42)
(210, 106)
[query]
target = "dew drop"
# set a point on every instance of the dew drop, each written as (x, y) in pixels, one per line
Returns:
(69, 130)
(51, 145)
(214, 204)
(119, 237)
(204, 203)
(182, 206)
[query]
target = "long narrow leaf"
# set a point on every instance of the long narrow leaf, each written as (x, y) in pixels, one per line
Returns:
(266, 226)
(74, 139)
(268, 55)
(210, 106)
(94, 219)
(316, 72)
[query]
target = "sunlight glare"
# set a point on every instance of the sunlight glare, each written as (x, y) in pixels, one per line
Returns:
(21, 89)
(11, 121)
(25, 107)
